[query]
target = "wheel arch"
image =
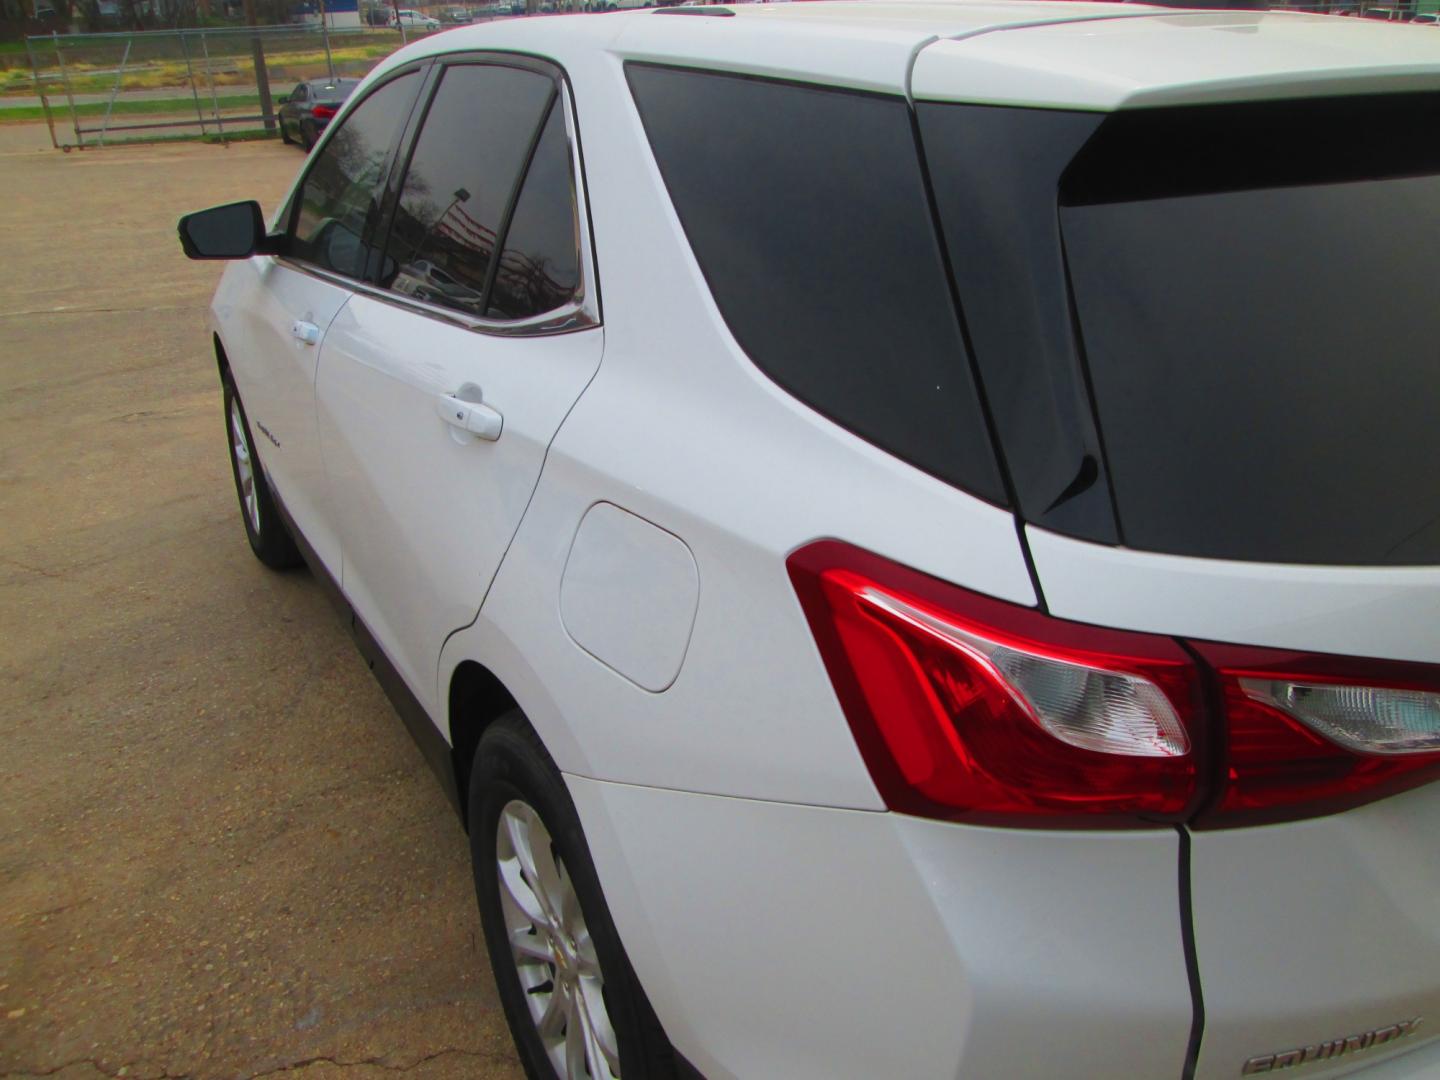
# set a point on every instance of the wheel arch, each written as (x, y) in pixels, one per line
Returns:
(222, 362)
(476, 700)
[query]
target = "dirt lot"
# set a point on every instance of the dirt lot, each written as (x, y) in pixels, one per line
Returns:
(220, 855)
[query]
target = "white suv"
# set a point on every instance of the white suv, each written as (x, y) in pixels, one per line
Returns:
(910, 533)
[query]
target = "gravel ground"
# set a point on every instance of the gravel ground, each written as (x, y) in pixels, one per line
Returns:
(220, 855)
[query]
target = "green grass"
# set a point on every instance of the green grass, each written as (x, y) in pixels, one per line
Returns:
(60, 110)
(247, 135)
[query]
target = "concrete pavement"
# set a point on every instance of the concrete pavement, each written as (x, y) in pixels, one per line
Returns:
(220, 855)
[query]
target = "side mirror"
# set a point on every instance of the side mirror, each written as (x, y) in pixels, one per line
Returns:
(233, 231)
(281, 99)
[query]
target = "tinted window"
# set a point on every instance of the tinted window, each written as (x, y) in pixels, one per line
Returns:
(342, 189)
(806, 209)
(336, 91)
(540, 269)
(472, 148)
(1266, 359)
(300, 93)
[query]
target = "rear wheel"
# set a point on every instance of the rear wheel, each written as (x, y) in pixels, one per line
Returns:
(307, 135)
(266, 532)
(574, 1005)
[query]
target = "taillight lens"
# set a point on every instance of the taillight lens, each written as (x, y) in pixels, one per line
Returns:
(1311, 734)
(325, 112)
(968, 707)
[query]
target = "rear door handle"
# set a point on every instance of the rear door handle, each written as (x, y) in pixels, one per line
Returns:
(473, 416)
(304, 331)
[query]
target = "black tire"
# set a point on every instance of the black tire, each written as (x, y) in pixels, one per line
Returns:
(511, 765)
(269, 539)
(307, 136)
(284, 135)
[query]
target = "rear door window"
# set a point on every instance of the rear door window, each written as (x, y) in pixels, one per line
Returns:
(807, 211)
(476, 140)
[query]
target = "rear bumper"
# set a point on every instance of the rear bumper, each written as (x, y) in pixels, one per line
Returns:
(783, 940)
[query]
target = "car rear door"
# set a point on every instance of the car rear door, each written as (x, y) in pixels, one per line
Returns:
(296, 296)
(442, 384)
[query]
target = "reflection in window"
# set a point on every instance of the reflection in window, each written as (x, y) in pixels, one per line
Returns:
(467, 160)
(540, 268)
(343, 186)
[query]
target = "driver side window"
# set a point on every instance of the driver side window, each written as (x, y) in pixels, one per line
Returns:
(341, 192)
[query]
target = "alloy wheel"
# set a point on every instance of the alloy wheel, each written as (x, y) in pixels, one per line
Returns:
(244, 466)
(552, 949)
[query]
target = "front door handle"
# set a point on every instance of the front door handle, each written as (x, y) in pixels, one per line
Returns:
(473, 416)
(304, 331)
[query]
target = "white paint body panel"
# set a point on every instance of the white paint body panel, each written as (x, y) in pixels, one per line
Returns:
(1357, 611)
(1180, 59)
(275, 372)
(797, 942)
(628, 595)
(681, 429)
(1321, 929)
(424, 511)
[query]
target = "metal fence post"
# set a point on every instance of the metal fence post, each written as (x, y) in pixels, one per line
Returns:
(115, 90)
(325, 33)
(214, 98)
(190, 77)
(40, 91)
(70, 97)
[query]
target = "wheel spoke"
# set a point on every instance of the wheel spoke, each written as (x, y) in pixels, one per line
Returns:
(529, 947)
(521, 827)
(520, 892)
(551, 887)
(574, 1041)
(552, 1021)
(603, 1049)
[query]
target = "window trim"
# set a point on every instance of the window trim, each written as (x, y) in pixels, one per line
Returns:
(583, 312)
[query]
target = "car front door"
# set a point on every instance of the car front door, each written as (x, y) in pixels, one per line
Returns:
(298, 295)
(442, 385)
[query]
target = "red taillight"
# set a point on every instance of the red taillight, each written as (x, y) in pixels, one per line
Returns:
(968, 707)
(325, 112)
(1293, 747)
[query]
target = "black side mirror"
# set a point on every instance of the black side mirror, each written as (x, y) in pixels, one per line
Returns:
(233, 231)
(281, 99)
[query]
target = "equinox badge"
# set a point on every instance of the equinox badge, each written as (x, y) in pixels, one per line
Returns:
(1350, 1044)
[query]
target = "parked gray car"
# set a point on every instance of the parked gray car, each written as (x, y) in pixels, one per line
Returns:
(306, 110)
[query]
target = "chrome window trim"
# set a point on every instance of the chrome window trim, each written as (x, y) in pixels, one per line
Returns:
(582, 313)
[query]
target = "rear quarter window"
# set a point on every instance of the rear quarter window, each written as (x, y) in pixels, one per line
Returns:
(807, 211)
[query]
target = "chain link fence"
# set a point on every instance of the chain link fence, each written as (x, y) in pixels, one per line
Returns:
(220, 84)
(223, 83)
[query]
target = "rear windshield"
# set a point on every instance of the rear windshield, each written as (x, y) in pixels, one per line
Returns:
(337, 91)
(1258, 297)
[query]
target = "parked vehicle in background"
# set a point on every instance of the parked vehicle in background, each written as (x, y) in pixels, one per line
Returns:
(1427, 18)
(408, 17)
(963, 601)
(306, 110)
(456, 16)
